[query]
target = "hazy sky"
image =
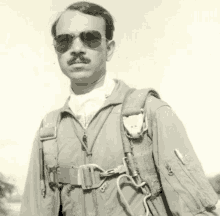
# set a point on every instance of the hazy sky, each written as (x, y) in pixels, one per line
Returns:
(172, 46)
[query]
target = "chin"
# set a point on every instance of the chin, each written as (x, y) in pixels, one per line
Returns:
(80, 76)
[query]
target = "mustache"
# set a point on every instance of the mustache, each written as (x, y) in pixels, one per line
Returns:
(78, 58)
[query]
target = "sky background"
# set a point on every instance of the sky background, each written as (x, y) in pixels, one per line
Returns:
(172, 46)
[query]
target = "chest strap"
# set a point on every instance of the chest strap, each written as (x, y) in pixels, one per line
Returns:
(89, 176)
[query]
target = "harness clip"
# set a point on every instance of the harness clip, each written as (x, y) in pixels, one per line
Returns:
(135, 125)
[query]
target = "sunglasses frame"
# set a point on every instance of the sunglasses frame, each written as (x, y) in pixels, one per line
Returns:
(74, 36)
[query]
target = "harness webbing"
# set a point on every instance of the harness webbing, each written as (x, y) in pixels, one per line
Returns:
(133, 106)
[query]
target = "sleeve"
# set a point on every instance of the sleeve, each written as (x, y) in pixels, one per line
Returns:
(185, 186)
(31, 198)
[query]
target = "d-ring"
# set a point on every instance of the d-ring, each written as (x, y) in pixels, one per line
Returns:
(122, 195)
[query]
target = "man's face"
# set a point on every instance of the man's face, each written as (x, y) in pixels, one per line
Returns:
(81, 63)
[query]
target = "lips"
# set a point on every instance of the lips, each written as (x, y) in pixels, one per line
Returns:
(78, 62)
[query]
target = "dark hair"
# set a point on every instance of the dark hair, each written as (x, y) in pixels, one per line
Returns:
(94, 10)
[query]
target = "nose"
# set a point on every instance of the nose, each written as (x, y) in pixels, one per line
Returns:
(77, 46)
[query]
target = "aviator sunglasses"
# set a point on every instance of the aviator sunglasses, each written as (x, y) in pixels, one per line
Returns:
(91, 39)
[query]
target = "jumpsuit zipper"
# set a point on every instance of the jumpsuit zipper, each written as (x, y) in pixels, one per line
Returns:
(85, 145)
(84, 141)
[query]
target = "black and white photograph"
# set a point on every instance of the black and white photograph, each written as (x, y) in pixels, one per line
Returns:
(110, 108)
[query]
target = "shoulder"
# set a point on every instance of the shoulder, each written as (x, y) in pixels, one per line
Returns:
(152, 101)
(148, 99)
(55, 113)
(153, 104)
(51, 117)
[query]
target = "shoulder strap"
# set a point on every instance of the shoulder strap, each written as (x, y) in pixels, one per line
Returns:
(135, 101)
(48, 129)
(47, 134)
(134, 122)
(133, 114)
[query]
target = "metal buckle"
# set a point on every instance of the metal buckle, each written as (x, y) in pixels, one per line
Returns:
(87, 178)
(141, 185)
(115, 171)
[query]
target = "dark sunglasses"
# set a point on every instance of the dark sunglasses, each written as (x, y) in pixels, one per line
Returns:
(91, 39)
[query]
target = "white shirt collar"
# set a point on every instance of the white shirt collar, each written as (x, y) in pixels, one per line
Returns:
(97, 96)
(106, 89)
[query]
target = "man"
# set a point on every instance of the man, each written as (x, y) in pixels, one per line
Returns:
(81, 147)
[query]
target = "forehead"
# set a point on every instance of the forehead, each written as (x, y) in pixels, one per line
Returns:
(75, 21)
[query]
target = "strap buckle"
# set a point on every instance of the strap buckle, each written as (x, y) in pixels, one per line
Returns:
(115, 171)
(141, 185)
(87, 176)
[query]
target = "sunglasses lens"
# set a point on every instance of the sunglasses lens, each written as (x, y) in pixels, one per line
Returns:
(92, 39)
(63, 42)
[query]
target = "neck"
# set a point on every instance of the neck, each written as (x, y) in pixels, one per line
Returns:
(83, 88)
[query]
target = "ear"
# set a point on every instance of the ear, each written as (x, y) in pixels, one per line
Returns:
(110, 50)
